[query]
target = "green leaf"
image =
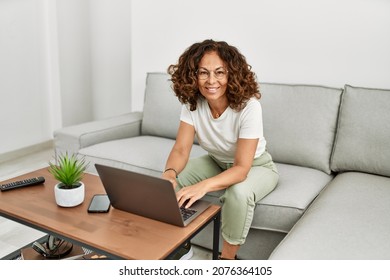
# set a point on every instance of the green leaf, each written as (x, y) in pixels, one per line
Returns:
(70, 169)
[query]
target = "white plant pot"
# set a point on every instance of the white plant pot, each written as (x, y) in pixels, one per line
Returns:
(69, 197)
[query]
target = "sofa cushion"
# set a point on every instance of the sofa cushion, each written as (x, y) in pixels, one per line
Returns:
(350, 219)
(300, 123)
(143, 154)
(282, 208)
(363, 134)
(161, 113)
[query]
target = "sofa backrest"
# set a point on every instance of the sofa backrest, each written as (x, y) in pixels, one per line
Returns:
(299, 120)
(300, 123)
(363, 134)
(161, 113)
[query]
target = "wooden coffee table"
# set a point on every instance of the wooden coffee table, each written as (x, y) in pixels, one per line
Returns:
(118, 234)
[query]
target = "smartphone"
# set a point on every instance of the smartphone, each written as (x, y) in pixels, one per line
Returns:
(99, 204)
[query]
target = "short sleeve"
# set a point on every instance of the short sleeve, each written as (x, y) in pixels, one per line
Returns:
(251, 122)
(185, 115)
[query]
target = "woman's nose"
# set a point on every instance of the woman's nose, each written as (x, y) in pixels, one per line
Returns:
(211, 78)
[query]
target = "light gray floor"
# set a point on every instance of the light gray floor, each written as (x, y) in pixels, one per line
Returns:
(14, 235)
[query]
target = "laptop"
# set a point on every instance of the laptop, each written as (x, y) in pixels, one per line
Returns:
(146, 196)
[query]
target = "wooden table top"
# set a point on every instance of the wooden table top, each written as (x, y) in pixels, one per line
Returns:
(118, 233)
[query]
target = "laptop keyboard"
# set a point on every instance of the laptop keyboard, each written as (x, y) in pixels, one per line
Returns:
(187, 212)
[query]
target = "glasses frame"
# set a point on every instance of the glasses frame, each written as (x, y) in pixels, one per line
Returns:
(209, 73)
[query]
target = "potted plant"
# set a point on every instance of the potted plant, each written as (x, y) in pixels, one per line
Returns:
(70, 191)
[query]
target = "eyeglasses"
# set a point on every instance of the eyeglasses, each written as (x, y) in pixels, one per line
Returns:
(204, 74)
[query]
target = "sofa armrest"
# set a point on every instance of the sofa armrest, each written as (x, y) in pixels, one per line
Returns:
(73, 138)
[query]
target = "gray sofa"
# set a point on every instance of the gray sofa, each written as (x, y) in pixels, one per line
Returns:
(331, 147)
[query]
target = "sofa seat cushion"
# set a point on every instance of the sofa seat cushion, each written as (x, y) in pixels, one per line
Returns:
(143, 154)
(349, 220)
(282, 208)
(296, 189)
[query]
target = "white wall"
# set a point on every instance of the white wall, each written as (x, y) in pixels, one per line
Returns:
(64, 62)
(94, 44)
(74, 55)
(110, 57)
(27, 93)
(327, 42)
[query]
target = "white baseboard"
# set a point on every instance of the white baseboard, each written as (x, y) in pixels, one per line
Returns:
(26, 151)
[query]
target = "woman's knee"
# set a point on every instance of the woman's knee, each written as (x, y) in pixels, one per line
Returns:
(238, 194)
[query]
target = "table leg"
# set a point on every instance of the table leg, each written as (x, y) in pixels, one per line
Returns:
(217, 225)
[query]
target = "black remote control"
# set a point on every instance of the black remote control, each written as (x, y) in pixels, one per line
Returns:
(23, 183)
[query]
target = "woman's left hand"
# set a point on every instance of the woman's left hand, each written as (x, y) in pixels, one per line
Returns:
(190, 194)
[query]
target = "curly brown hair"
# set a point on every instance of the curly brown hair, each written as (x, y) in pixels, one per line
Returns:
(242, 84)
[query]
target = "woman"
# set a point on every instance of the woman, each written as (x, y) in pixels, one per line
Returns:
(220, 96)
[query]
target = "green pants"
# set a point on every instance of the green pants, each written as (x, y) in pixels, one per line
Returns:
(239, 200)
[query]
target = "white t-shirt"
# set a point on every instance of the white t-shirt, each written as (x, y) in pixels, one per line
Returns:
(219, 136)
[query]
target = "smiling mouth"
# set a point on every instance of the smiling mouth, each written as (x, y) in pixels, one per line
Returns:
(212, 89)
